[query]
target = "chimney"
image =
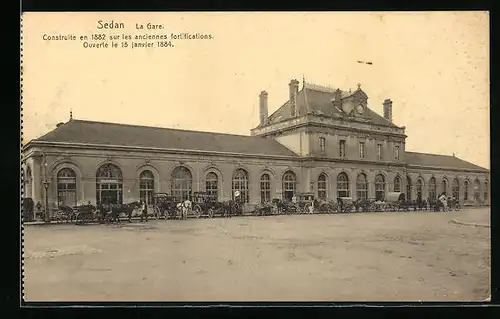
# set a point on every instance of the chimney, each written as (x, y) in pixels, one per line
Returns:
(294, 89)
(388, 109)
(263, 108)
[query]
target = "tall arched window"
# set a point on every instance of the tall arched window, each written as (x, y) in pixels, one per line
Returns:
(212, 184)
(397, 184)
(361, 187)
(466, 190)
(455, 189)
(109, 185)
(486, 197)
(265, 188)
(477, 190)
(240, 183)
(408, 188)
(419, 189)
(322, 187)
(66, 187)
(380, 187)
(182, 183)
(146, 186)
(289, 185)
(342, 185)
(28, 178)
(432, 188)
(444, 186)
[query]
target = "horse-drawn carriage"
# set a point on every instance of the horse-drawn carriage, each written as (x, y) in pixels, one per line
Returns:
(345, 205)
(164, 206)
(205, 204)
(325, 207)
(266, 208)
(305, 203)
(394, 201)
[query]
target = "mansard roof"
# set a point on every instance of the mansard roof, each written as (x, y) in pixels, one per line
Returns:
(316, 99)
(113, 134)
(440, 161)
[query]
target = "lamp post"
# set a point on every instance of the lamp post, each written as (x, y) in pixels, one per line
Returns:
(46, 216)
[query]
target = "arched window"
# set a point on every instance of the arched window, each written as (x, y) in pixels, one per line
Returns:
(28, 183)
(455, 189)
(408, 188)
(289, 185)
(322, 187)
(146, 187)
(240, 183)
(466, 190)
(397, 184)
(477, 190)
(419, 189)
(265, 188)
(182, 183)
(212, 184)
(444, 186)
(109, 188)
(361, 187)
(380, 187)
(432, 189)
(342, 185)
(486, 197)
(66, 187)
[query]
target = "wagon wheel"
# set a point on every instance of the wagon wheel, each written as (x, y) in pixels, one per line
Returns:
(210, 213)
(197, 211)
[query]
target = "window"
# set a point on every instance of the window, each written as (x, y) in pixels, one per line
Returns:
(240, 183)
(466, 190)
(27, 183)
(289, 185)
(265, 188)
(109, 188)
(342, 185)
(212, 184)
(66, 187)
(477, 190)
(322, 187)
(396, 152)
(182, 183)
(432, 189)
(397, 184)
(361, 187)
(379, 151)
(408, 188)
(342, 148)
(419, 189)
(486, 191)
(380, 187)
(146, 187)
(322, 143)
(444, 186)
(361, 149)
(455, 189)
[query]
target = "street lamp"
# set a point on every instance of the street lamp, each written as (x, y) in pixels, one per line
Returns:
(46, 216)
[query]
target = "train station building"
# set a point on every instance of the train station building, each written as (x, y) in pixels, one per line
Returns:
(321, 140)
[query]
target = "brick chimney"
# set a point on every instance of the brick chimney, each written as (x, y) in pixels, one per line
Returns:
(263, 108)
(294, 89)
(388, 109)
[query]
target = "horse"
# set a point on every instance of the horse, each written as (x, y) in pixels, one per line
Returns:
(183, 208)
(113, 215)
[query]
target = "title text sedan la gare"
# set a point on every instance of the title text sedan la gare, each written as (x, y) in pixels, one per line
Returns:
(120, 25)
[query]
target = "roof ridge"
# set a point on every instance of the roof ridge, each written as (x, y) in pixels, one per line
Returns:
(160, 128)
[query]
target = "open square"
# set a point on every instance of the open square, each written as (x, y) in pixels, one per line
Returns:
(339, 257)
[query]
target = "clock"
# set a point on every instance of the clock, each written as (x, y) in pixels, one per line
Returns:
(359, 108)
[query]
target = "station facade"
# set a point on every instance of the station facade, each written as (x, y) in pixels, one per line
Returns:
(322, 140)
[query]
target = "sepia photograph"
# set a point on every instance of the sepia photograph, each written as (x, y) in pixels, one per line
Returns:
(255, 157)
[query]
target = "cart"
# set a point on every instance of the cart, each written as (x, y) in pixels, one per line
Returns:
(204, 204)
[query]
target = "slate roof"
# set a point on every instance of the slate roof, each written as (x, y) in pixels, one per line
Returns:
(444, 161)
(318, 99)
(89, 132)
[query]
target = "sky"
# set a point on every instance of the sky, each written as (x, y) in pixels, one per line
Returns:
(434, 66)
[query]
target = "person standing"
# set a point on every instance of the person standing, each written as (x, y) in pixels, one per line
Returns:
(144, 211)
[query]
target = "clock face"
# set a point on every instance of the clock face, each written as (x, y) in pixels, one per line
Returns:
(359, 108)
